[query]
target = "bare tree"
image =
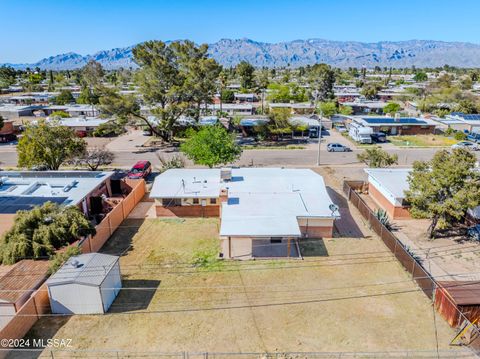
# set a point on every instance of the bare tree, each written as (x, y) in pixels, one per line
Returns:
(94, 158)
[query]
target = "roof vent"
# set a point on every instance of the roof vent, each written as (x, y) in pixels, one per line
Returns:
(226, 174)
(75, 263)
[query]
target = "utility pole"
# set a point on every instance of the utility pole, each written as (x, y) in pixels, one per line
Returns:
(319, 136)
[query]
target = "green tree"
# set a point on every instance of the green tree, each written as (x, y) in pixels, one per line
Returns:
(279, 123)
(467, 106)
(392, 108)
(321, 80)
(59, 114)
(211, 146)
(345, 110)
(227, 96)
(88, 97)
(246, 73)
(377, 157)
(420, 77)
(444, 188)
(38, 232)
(165, 79)
(328, 109)
(64, 97)
(370, 90)
(92, 74)
(48, 144)
(7, 76)
(58, 259)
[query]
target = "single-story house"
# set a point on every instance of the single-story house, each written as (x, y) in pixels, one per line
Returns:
(301, 108)
(89, 190)
(232, 109)
(259, 208)
(387, 186)
(85, 284)
(463, 122)
(10, 111)
(397, 125)
(364, 107)
(82, 125)
(17, 284)
(245, 97)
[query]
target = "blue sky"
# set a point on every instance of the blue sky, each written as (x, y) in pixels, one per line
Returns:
(31, 30)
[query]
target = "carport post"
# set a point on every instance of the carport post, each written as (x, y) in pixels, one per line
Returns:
(288, 247)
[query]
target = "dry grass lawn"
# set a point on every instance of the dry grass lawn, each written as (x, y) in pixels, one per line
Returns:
(338, 302)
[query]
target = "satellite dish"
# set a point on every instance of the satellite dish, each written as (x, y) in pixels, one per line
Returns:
(333, 207)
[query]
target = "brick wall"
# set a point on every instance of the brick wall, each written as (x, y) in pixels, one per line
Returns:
(392, 211)
(188, 211)
(317, 232)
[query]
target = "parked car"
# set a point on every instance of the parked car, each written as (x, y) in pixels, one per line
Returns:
(474, 137)
(141, 170)
(337, 147)
(474, 232)
(467, 145)
(379, 137)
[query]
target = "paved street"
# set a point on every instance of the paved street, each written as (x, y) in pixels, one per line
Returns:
(128, 149)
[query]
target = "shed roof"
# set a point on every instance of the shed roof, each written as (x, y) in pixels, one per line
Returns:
(24, 277)
(90, 269)
(463, 292)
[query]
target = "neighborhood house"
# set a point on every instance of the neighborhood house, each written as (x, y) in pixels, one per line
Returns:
(387, 186)
(263, 211)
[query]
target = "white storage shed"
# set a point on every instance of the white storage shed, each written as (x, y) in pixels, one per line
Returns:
(85, 284)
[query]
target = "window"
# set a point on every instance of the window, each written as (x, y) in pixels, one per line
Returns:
(276, 240)
(196, 201)
(213, 201)
(169, 202)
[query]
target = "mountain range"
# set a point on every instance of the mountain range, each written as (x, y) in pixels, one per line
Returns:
(228, 52)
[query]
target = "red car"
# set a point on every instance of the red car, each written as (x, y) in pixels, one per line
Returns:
(141, 170)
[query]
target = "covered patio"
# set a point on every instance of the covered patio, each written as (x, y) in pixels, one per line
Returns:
(275, 248)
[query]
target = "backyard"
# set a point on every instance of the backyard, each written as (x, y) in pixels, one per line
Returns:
(348, 294)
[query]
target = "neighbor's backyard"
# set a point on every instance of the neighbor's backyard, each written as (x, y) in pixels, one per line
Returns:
(348, 294)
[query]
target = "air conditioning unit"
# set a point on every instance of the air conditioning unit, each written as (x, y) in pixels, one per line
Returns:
(226, 174)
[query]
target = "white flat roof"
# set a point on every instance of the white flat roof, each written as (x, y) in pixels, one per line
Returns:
(82, 121)
(261, 201)
(393, 180)
(24, 189)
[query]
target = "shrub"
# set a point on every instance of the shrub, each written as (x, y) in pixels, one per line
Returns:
(382, 216)
(460, 136)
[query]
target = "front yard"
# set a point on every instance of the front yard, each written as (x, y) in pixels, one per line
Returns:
(422, 141)
(348, 294)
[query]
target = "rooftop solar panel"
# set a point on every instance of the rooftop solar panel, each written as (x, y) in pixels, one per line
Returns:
(13, 204)
(401, 120)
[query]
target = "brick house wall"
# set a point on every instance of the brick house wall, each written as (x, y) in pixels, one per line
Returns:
(392, 211)
(188, 211)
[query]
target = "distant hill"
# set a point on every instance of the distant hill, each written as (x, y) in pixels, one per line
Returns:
(420, 53)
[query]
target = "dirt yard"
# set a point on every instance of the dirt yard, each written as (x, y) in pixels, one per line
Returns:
(348, 294)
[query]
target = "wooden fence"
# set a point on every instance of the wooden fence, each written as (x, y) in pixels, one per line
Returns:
(39, 303)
